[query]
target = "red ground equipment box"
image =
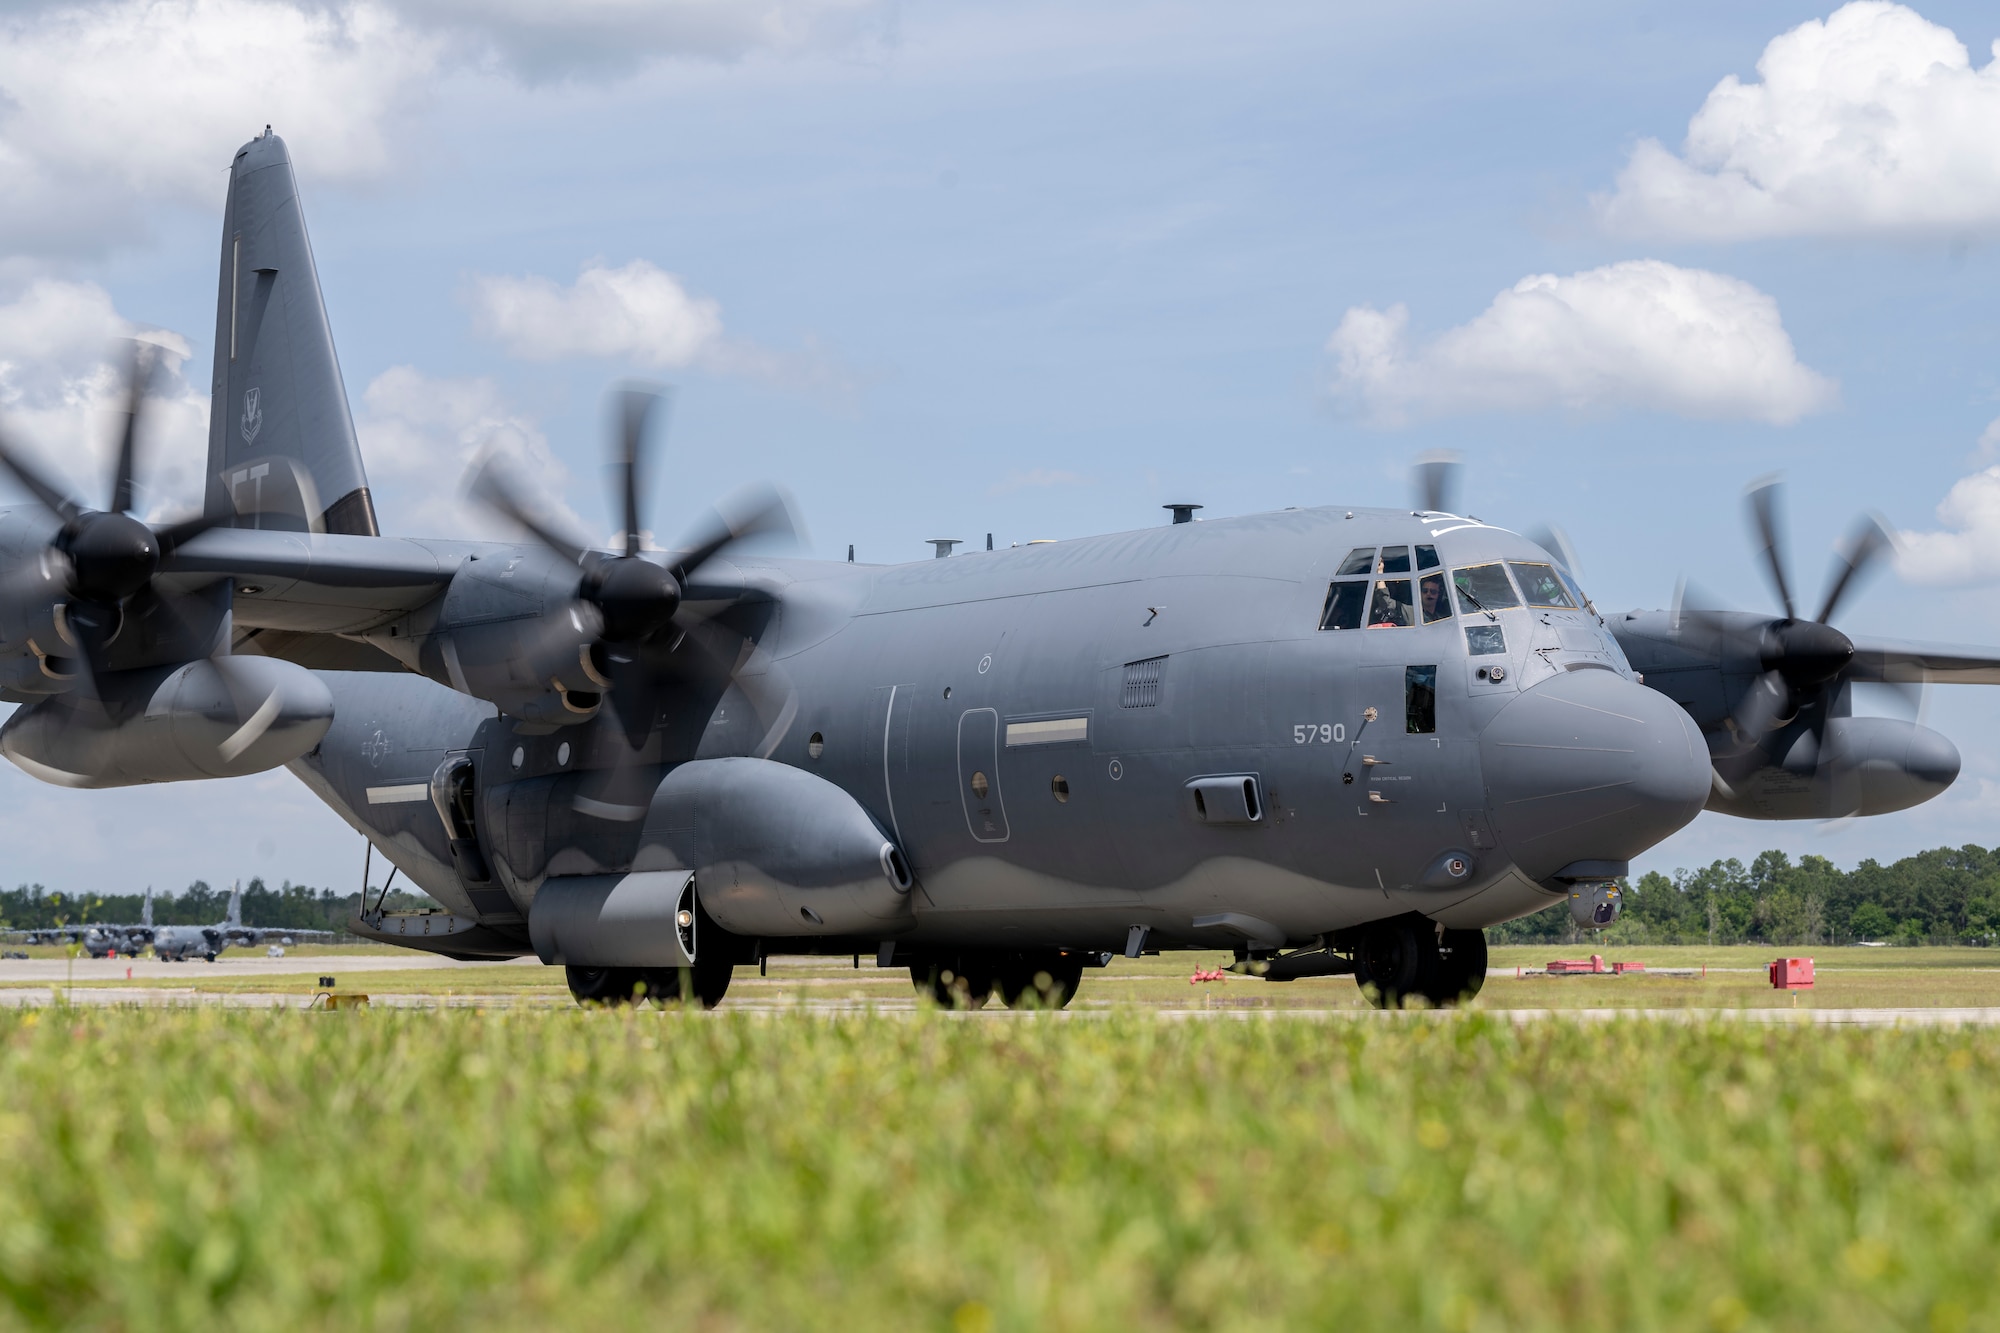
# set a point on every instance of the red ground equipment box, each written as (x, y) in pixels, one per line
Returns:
(1792, 974)
(1567, 967)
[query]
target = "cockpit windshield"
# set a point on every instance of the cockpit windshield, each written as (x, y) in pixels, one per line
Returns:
(1360, 560)
(1541, 586)
(1483, 588)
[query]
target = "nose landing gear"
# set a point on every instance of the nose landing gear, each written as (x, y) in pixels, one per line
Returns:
(1408, 958)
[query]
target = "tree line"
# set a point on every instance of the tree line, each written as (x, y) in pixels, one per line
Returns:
(288, 907)
(1948, 895)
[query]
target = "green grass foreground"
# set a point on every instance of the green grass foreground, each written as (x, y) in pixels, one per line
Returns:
(258, 1170)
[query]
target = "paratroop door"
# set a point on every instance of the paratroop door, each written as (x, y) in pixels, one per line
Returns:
(979, 774)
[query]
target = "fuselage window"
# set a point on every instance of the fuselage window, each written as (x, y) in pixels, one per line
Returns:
(1395, 560)
(1344, 602)
(1359, 561)
(1541, 586)
(1484, 640)
(1483, 588)
(1427, 557)
(1431, 597)
(1392, 609)
(1420, 700)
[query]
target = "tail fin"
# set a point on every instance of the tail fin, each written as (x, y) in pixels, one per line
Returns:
(146, 912)
(235, 917)
(281, 446)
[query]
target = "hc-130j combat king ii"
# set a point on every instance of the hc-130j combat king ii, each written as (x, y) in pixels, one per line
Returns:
(1331, 740)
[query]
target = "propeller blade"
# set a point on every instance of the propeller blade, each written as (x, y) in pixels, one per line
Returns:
(30, 475)
(753, 511)
(1763, 500)
(636, 404)
(1865, 545)
(139, 383)
(1557, 543)
(495, 484)
(1436, 478)
(1765, 706)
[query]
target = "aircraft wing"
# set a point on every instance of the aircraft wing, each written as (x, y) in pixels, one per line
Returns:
(1937, 663)
(313, 583)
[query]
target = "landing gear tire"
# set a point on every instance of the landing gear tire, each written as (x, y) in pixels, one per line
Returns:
(1388, 961)
(1039, 981)
(1405, 959)
(1459, 969)
(954, 983)
(705, 983)
(605, 985)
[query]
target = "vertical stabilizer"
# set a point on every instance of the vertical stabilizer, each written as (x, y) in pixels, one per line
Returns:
(281, 446)
(235, 917)
(146, 911)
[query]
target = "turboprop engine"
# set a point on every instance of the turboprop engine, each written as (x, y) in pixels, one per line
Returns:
(221, 717)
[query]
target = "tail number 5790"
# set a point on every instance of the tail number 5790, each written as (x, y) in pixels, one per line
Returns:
(1318, 733)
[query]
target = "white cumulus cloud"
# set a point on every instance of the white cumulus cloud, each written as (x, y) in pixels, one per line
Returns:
(420, 434)
(110, 107)
(1640, 334)
(636, 313)
(64, 358)
(1871, 122)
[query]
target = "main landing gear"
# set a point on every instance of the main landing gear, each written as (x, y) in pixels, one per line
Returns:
(706, 983)
(1410, 958)
(1031, 980)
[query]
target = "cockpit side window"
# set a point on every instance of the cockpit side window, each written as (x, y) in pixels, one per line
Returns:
(1541, 586)
(1483, 588)
(1432, 599)
(1344, 603)
(1360, 560)
(1392, 608)
(1576, 591)
(1395, 560)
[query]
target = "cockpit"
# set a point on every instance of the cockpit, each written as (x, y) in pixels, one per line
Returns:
(1403, 587)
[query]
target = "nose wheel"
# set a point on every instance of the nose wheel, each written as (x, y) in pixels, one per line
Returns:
(1409, 959)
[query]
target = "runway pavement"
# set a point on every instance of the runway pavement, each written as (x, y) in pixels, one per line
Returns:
(56, 971)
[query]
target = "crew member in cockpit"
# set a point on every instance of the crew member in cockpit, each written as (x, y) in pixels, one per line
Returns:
(1392, 609)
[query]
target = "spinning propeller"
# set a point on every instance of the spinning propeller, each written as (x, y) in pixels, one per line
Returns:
(1801, 659)
(631, 606)
(99, 568)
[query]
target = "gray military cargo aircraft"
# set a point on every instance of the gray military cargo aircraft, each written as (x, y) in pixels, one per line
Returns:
(1331, 740)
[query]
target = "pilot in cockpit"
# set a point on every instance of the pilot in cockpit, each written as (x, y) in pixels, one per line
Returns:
(1391, 608)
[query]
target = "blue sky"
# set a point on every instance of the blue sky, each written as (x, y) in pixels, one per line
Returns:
(946, 269)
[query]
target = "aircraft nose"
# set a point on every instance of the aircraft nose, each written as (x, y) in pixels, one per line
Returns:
(1588, 766)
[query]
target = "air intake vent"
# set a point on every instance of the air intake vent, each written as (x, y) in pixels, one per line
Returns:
(1142, 683)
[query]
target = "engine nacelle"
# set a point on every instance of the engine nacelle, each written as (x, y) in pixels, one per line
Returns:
(511, 632)
(32, 621)
(776, 851)
(1859, 766)
(222, 717)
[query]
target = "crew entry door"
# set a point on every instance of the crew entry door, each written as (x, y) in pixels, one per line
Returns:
(979, 774)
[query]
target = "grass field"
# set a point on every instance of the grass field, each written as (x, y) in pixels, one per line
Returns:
(543, 1169)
